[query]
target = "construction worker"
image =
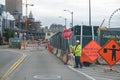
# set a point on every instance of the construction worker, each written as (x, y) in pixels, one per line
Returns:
(77, 54)
(71, 49)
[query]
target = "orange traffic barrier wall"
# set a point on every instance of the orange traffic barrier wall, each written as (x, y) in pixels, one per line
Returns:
(50, 48)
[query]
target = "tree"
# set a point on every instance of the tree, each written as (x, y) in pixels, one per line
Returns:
(8, 34)
(0, 39)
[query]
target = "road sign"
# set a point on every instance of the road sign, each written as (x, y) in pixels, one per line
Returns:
(106, 35)
(90, 52)
(110, 52)
(67, 34)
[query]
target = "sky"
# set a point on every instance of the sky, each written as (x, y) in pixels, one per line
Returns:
(48, 11)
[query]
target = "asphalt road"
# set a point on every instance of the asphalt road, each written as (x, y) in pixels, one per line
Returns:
(42, 65)
(7, 58)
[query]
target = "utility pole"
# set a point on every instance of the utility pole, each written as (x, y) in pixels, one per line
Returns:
(89, 12)
(71, 12)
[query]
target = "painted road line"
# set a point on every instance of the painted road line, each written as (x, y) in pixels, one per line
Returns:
(13, 67)
(102, 78)
(82, 73)
(18, 63)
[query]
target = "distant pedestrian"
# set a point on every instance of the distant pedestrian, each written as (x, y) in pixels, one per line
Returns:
(77, 53)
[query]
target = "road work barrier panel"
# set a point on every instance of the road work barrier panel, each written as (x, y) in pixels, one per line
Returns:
(15, 42)
(23, 45)
(50, 48)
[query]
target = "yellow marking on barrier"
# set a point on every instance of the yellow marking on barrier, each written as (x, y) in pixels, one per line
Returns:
(13, 67)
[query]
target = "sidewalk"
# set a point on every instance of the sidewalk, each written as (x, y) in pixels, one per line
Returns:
(100, 72)
(4, 46)
(97, 72)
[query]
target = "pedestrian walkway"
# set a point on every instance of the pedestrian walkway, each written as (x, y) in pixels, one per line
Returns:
(98, 72)
(3, 46)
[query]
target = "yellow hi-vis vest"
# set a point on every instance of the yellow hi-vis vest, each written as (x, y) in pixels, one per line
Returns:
(78, 50)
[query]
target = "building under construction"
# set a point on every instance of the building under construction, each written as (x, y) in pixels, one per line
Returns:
(14, 6)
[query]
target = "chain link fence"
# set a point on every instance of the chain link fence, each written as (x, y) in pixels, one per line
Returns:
(59, 42)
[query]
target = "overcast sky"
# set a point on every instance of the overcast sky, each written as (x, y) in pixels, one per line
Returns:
(48, 11)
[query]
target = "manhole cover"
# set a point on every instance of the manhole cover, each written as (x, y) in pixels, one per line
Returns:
(47, 77)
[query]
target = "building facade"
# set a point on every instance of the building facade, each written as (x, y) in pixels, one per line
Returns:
(56, 28)
(2, 8)
(14, 7)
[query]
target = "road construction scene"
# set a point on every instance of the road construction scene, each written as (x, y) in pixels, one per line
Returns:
(59, 40)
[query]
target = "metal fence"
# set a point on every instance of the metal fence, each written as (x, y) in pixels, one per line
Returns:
(59, 42)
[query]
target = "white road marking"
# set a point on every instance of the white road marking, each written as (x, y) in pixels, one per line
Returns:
(82, 73)
(103, 78)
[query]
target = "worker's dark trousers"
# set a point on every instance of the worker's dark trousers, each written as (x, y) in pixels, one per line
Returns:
(78, 61)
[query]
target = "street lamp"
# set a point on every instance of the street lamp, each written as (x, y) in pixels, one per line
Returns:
(65, 21)
(71, 12)
(26, 12)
